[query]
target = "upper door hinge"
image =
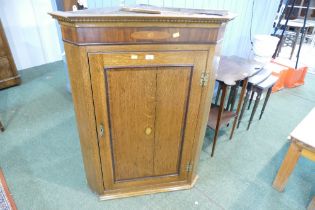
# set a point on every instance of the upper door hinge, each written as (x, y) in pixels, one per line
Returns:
(189, 166)
(204, 79)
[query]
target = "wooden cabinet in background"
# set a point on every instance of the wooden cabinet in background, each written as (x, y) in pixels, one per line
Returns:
(141, 86)
(8, 74)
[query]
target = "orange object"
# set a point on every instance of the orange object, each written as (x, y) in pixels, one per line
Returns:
(294, 77)
(279, 71)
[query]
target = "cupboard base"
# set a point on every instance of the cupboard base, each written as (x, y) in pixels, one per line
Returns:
(166, 187)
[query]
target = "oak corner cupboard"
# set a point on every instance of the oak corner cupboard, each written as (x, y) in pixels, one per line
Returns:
(141, 79)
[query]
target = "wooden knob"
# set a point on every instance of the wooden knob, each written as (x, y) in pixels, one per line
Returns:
(148, 130)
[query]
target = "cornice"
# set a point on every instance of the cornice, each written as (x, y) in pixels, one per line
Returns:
(129, 19)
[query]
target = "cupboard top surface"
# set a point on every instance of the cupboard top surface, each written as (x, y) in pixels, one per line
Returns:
(116, 14)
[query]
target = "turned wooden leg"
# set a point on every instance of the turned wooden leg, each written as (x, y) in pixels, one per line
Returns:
(234, 96)
(217, 127)
(265, 102)
(239, 105)
(287, 167)
(254, 109)
(229, 102)
(1, 127)
(251, 100)
(218, 94)
(311, 206)
(243, 107)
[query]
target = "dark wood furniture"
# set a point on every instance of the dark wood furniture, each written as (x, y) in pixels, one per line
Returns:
(231, 71)
(265, 86)
(141, 85)
(302, 143)
(252, 82)
(8, 73)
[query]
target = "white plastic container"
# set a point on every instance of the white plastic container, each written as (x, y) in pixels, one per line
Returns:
(264, 47)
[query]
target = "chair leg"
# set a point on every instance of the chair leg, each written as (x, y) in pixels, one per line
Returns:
(230, 100)
(218, 94)
(255, 108)
(265, 102)
(1, 127)
(243, 108)
(239, 105)
(234, 96)
(251, 100)
(217, 127)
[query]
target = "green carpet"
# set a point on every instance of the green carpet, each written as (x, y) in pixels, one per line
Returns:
(41, 158)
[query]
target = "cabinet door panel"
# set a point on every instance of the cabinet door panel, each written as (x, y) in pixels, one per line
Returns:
(172, 97)
(131, 95)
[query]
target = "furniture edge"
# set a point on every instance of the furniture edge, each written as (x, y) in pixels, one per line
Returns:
(150, 189)
(82, 96)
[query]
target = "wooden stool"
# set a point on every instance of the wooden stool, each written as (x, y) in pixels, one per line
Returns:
(302, 143)
(252, 82)
(1, 127)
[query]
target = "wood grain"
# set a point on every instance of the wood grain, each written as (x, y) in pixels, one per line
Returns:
(173, 86)
(140, 108)
(141, 35)
(131, 99)
(84, 108)
(164, 97)
(8, 73)
(287, 167)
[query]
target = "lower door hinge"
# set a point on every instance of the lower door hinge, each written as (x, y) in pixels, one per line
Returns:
(189, 166)
(204, 79)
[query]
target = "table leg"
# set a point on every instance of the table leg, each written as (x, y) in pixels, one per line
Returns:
(311, 206)
(217, 127)
(287, 167)
(240, 102)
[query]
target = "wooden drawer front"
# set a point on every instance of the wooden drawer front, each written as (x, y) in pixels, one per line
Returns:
(5, 68)
(94, 35)
(2, 51)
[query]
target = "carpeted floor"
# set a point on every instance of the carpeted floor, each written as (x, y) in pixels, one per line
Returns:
(41, 159)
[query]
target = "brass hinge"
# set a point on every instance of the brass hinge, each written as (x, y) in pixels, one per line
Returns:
(204, 79)
(189, 166)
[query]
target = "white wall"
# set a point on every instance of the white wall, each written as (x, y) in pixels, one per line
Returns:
(31, 32)
(33, 38)
(236, 40)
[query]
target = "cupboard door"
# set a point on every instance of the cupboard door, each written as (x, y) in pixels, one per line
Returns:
(147, 105)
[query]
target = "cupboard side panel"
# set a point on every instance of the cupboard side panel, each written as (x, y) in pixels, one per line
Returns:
(205, 103)
(199, 59)
(78, 68)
